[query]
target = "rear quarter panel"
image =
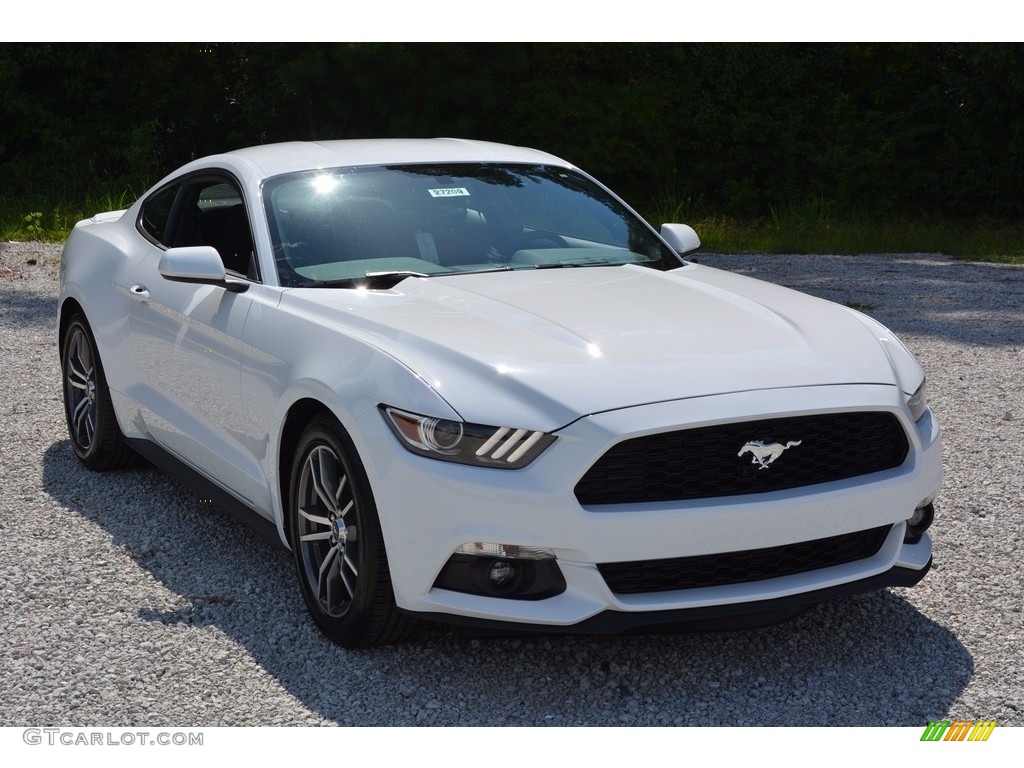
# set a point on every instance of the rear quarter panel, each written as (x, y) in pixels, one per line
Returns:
(96, 266)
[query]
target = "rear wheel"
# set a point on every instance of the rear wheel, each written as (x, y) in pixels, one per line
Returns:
(92, 425)
(337, 542)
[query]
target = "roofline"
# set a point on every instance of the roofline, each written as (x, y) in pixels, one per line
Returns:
(274, 159)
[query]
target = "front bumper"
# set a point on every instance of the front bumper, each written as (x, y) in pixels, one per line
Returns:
(710, 618)
(428, 509)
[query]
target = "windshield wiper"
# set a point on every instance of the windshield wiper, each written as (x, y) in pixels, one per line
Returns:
(389, 279)
(371, 280)
(567, 264)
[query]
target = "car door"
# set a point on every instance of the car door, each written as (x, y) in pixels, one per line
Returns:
(186, 337)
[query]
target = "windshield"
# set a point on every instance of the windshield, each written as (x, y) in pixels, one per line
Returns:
(338, 226)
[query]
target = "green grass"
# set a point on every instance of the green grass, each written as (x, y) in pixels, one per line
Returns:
(971, 241)
(30, 223)
(814, 227)
(18, 219)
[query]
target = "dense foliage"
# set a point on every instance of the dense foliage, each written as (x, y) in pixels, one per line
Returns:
(739, 129)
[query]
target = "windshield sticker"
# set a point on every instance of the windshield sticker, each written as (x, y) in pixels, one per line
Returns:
(449, 192)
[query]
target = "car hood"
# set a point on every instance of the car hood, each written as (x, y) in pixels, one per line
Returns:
(540, 348)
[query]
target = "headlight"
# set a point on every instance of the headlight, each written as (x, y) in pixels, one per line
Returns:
(918, 402)
(479, 444)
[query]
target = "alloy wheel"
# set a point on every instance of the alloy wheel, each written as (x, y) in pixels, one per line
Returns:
(328, 530)
(80, 389)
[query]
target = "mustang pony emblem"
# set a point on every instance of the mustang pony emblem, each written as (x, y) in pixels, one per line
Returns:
(765, 453)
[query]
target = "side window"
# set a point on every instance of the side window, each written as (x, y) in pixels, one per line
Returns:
(219, 195)
(213, 214)
(156, 213)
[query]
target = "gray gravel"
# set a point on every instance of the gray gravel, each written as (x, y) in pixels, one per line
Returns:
(125, 601)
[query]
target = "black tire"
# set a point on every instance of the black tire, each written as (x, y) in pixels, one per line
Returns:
(95, 436)
(337, 542)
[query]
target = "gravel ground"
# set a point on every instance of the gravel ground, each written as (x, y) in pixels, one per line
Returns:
(125, 602)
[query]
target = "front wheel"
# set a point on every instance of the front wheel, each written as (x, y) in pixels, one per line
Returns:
(337, 542)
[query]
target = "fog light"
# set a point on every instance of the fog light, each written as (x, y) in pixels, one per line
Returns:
(508, 571)
(919, 522)
(502, 574)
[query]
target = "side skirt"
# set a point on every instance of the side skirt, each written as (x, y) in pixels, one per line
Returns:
(183, 473)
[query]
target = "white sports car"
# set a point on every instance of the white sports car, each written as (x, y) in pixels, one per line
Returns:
(464, 381)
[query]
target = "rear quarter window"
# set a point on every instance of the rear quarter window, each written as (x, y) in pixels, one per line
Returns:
(156, 212)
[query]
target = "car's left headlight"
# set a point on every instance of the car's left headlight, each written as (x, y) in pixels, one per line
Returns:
(918, 402)
(465, 443)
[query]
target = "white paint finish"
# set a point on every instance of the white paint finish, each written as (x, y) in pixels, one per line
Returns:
(598, 354)
(541, 348)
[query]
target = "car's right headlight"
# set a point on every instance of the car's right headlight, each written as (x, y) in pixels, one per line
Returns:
(465, 443)
(918, 402)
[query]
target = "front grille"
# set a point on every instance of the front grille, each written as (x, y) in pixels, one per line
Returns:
(704, 463)
(740, 567)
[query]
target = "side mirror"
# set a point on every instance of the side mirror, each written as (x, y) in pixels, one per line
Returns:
(197, 264)
(680, 237)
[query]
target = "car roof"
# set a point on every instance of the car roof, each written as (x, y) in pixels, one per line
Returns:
(274, 159)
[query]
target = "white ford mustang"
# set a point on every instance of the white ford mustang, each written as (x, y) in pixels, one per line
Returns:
(464, 381)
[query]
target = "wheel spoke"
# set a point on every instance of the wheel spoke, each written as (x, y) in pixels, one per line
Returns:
(325, 566)
(76, 378)
(337, 494)
(318, 519)
(345, 511)
(323, 536)
(351, 565)
(324, 473)
(84, 354)
(348, 581)
(81, 415)
(328, 578)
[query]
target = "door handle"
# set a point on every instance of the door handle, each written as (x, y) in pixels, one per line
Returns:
(139, 292)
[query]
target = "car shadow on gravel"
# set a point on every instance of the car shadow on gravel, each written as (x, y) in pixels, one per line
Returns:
(20, 310)
(871, 660)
